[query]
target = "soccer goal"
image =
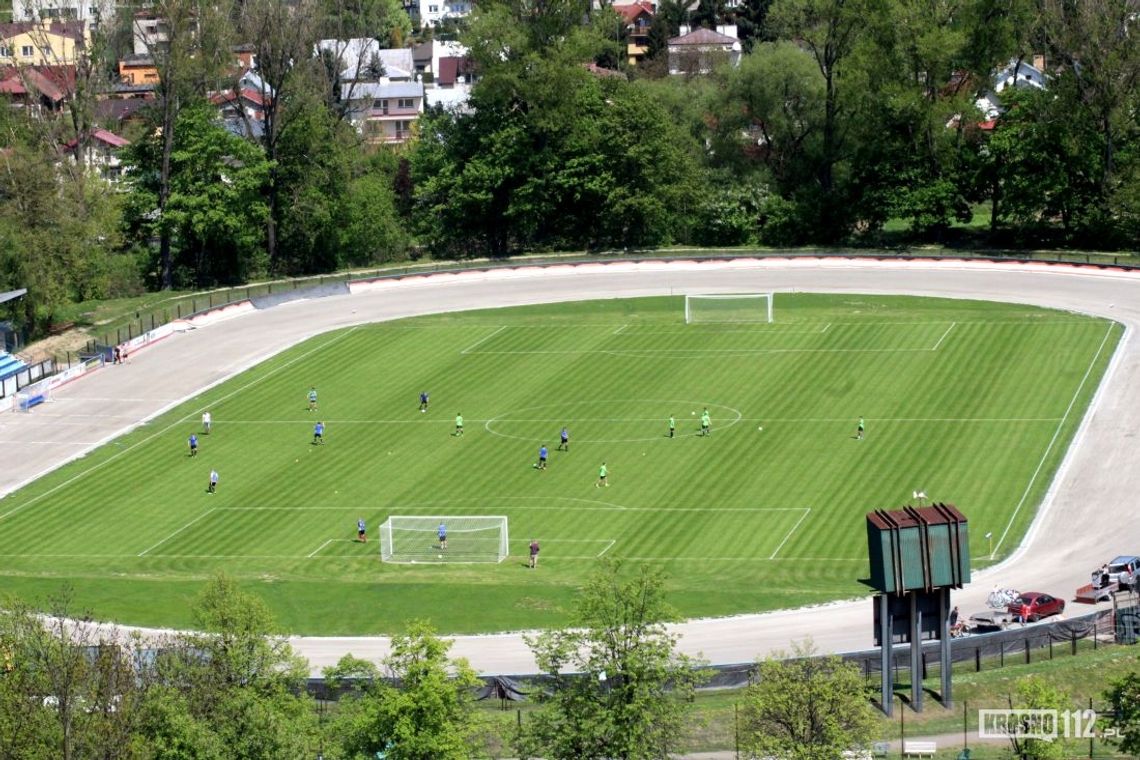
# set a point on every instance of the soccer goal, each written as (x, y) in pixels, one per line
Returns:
(33, 396)
(469, 539)
(739, 307)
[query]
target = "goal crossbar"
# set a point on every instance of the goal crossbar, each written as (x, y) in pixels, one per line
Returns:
(729, 307)
(467, 538)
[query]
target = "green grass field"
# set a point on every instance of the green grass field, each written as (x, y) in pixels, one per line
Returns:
(973, 402)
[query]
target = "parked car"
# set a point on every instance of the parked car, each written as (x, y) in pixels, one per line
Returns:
(1121, 570)
(1034, 605)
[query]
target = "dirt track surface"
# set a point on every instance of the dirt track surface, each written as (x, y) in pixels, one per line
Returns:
(1094, 486)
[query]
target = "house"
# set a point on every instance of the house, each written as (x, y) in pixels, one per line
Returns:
(384, 112)
(101, 155)
(46, 43)
(45, 88)
(452, 83)
(433, 12)
(363, 60)
(150, 32)
(138, 71)
(1018, 74)
(93, 12)
(120, 113)
(702, 50)
(638, 17)
(242, 110)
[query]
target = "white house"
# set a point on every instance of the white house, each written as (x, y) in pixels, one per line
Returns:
(101, 155)
(384, 112)
(702, 50)
(432, 12)
(361, 57)
(1017, 73)
(94, 12)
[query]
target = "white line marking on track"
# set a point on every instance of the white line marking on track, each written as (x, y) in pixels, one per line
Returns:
(178, 422)
(948, 329)
(807, 511)
(483, 340)
(618, 420)
(207, 513)
(1053, 440)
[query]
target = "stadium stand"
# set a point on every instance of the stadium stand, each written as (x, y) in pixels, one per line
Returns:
(9, 365)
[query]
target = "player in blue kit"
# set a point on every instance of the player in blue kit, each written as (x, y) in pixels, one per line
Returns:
(542, 452)
(318, 433)
(424, 401)
(442, 533)
(193, 445)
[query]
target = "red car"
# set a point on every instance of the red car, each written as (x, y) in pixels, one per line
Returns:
(1034, 605)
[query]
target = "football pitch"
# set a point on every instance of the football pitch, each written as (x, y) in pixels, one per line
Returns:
(974, 403)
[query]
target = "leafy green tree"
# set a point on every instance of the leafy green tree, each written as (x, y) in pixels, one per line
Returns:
(1124, 695)
(806, 708)
(622, 688)
(425, 714)
(384, 20)
(751, 18)
(1036, 693)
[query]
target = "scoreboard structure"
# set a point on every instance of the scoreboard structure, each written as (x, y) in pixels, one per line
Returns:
(917, 554)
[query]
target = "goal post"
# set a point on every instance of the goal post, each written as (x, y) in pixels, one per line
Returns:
(731, 307)
(470, 538)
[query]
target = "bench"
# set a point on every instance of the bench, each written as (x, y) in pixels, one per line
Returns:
(26, 402)
(919, 748)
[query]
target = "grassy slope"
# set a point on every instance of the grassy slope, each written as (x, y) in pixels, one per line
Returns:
(970, 422)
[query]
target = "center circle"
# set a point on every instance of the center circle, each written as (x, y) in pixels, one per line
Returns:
(609, 421)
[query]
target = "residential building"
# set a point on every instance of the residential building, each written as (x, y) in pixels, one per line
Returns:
(101, 155)
(638, 18)
(242, 110)
(363, 60)
(46, 43)
(138, 71)
(1019, 74)
(702, 50)
(433, 12)
(93, 12)
(151, 33)
(44, 88)
(451, 85)
(384, 112)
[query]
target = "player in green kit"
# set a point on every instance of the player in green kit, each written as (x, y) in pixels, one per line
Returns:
(602, 473)
(458, 424)
(859, 430)
(706, 422)
(672, 425)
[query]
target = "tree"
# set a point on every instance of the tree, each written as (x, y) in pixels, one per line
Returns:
(425, 714)
(1124, 695)
(622, 689)
(1035, 693)
(188, 56)
(806, 708)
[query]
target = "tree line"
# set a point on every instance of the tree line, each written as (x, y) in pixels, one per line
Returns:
(844, 118)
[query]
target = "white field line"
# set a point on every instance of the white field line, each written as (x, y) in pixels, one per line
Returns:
(603, 507)
(176, 423)
(1053, 440)
(825, 328)
(948, 329)
(618, 331)
(207, 513)
(807, 511)
(673, 352)
(322, 546)
(372, 557)
(608, 547)
(449, 421)
(484, 339)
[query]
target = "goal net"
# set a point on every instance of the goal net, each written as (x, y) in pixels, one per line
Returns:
(469, 539)
(744, 307)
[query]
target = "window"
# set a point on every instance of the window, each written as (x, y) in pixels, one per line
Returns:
(27, 51)
(381, 104)
(5, 51)
(406, 103)
(45, 51)
(433, 9)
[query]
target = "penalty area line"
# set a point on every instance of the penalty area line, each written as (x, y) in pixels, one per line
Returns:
(483, 340)
(207, 513)
(948, 329)
(807, 511)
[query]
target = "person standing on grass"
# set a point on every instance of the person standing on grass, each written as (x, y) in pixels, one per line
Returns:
(672, 425)
(859, 430)
(318, 433)
(602, 474)
(361, 532)
(207, 422)
(541, 457)
(442, 533)
(458, 425)
(193, 445)
(213, 488)
(423, 401)
(706, 422)
(533, 553)
(565, 438)
(313, 399)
